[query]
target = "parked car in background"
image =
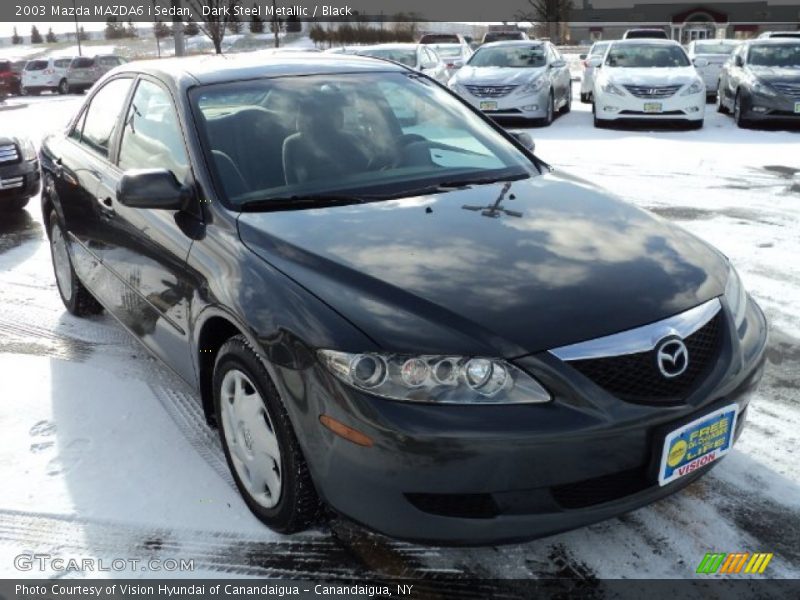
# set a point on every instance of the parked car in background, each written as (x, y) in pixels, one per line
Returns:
(522, 79)
(46, 74)
(454, 56)
(761, 82)
(779, 34)
(419, 57)
(19, 172)
(716, 53)
(587, 79)
(504, 36)
(653, 34)
(9, 79)
(363, 337)
(648, 79)
(444, 38)
(343, 50)
(84, 71)
(17, 66)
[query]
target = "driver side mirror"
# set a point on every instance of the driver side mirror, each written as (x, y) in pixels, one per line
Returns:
(700, 62)
(524, 139)
(595, 61)
(557, 64)
(582, 56)
(152, 188)
(738, 61)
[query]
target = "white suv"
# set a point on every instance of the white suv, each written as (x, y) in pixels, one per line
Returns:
(45, 74)
(648, 79)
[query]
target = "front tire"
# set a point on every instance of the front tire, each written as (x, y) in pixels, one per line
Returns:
(14, 204)
(696, 124)
(76, 298)
(721, 108)
(738, 110)
(63, 87)
(586, 98)
(260, 446)
(551, 110)
(568, 105)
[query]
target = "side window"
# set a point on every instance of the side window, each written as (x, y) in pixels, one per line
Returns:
(425, 59)
(100, 119)
(152, 137)
(77, 131)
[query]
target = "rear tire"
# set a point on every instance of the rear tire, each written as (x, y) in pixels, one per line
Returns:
(568, 106)
(63, 87)
(586, 98)
(76, 298)
(721, 108)
(259, 441)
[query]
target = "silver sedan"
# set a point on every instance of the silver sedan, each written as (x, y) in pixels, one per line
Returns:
(524, 79)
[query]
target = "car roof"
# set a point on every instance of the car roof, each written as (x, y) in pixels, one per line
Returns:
(395, 46)
(773, 42)
(649, 41)
(512, 43)
(220, 68)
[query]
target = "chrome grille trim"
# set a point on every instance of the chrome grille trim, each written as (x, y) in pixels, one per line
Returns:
(653, 91)
(490, 91)
(789, 89)
(641, 339)
(8, 153)
(12, 183)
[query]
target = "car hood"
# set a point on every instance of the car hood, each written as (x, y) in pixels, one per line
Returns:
(497, 75)
(645, 76)
(777, 74)
(558, 262)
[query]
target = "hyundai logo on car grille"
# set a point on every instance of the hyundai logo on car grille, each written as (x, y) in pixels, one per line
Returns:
(672, 357)
(664, 91)
(490, 91)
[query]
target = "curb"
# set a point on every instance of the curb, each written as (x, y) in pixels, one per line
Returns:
(12, 106)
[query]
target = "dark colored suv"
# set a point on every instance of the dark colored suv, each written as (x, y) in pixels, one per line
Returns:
(389, 306)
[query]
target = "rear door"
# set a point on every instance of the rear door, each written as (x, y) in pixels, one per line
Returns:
(147, 249)
(81, 160)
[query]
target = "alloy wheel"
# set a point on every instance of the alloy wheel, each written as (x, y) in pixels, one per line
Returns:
(61, 264)
(250, 436)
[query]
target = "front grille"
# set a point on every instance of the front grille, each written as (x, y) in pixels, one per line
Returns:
(636, 377)
(789, 89)
(12, 183)
(465, 506)
(601, 489)
(490, 91)
(8, 153)
(653, 91)
(663, 113)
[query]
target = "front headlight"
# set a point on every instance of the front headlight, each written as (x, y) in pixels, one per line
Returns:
(695, 88)
(533, 86)
(736, 297)
(610, 88)
(435, 379)
(27, 148)
(763, 89)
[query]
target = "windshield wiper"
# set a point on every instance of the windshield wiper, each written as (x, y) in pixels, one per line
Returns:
(467, 181)
(301, 202)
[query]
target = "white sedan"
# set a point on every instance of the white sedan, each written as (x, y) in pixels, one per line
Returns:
(648, 79)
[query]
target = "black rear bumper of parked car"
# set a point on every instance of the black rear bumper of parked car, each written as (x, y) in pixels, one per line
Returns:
(19, 178)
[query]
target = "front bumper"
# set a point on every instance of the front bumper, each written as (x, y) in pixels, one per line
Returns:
(766, 108)
(20, 180)
(468, 475)
(610, 107)
(517, 104)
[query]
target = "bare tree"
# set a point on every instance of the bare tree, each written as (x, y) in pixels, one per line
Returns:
(552, 12)
(219, 13)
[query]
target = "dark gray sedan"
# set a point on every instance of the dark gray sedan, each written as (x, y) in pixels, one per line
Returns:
(761, 82)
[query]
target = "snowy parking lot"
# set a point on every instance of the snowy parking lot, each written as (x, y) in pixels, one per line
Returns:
(106, 454)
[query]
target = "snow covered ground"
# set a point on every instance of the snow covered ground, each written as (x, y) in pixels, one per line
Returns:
(105, 454)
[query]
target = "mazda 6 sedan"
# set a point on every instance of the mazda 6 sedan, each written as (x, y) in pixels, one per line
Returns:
(389, 307)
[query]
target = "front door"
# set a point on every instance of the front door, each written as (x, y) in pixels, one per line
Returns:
(147, 256)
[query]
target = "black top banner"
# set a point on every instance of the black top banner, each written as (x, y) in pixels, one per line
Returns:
(495, 11)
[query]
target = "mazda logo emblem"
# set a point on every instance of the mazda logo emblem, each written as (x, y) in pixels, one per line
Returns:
(672, 357)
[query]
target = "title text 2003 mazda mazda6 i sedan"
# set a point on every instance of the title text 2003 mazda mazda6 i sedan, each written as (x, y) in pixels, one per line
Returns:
(389, 306)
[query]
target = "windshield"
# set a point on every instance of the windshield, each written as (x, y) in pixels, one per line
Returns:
(520, 57)
(500, 36)
(777, 55)
(599, 49)
(442, 38)
(714, 48)
(401, 55)
(369, 135)
(448, 51)
(646, 56)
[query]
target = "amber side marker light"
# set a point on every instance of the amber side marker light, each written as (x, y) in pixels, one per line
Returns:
(348, 433)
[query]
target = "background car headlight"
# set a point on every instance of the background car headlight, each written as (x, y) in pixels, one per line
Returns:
(435, 379)
(533, 86)
(695, 88)
(763, 89)
(610, 88)
(27, 148)
(736, 296)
